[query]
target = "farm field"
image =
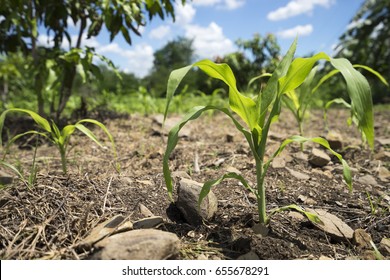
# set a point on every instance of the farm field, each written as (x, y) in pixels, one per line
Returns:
(58, 213)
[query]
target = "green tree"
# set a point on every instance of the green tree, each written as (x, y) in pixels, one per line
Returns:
(21, 20)
(175, 54)
(367, 41)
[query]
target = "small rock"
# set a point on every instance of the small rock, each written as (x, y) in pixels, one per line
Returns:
(249, 256)
(279, 162)
(302, 198)
(202, 257)
(301, 156)
(144, 211)
(260, 229)
(104, 229)
(369, 255)
(332, 225)
(325, 258)
(229, 138)
(382, 155)
(296, 216)
(361, 238)
(151, 222)
(5, 178)
(383, 141)
(335, 140)
(180, 174)
(233, 169)
(187, 202)
(367, 180)
(384, 174)
(298, 175)
(384, 246)
(318, 158)
(142, 244)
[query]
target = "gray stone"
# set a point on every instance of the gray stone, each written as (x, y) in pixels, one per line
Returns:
(335, 140)
(384, 174)
(180, 174)
(384, 246)
(112, 226)
(142, 244)
(384, 141)
(278, 162)
(150, 222)
(298, 175)
(382, 155)
(362, 239)
(249, 256)
(318, 158)
(187, 202)
(332, 225)
(367, 180)
(144, 211)
(5, 178)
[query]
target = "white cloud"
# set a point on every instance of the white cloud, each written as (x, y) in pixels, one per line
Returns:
(297, 7)
(222, 4)
(184, 14)
(209, 41)
(160, 32)
(301, 30)
(47, 41)
(139, 59)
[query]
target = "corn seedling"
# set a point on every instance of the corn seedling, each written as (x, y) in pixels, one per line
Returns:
(60, 138)
(259, 113)
(353, 118)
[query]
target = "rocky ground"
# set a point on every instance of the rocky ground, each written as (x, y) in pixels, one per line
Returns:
(96, 212)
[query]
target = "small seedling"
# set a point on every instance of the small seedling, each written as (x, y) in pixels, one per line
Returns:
(60, 138)
(259, 113)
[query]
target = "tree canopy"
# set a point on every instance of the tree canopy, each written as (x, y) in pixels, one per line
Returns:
(21, 21)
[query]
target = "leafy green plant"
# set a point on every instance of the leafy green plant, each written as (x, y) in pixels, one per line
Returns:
(60, 138)
(259, 113)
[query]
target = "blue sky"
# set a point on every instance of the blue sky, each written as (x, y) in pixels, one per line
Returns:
(215, 25)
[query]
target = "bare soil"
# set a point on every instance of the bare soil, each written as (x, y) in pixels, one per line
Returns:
(49, 220)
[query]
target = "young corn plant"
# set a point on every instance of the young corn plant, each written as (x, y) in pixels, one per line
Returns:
(259, 113)
(60, 138)
(299, 100)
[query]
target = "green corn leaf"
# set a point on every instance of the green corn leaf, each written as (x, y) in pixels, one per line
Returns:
(361, 100)
(68, 131)
(16, 137)
(104, 128)
(324, 79)
(298, 71)
(244, 106)
(300, 139)
(173, 138)
(258, 77)
(305, 93)
(209, 184)
(372, 71)
(43, 123)
(270, 91)
(331, 102)
(88, 132)
(312, 217)
(174, 80)
(15, 170)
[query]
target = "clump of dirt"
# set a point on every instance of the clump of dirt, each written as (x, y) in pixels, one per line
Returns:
(49, 220)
